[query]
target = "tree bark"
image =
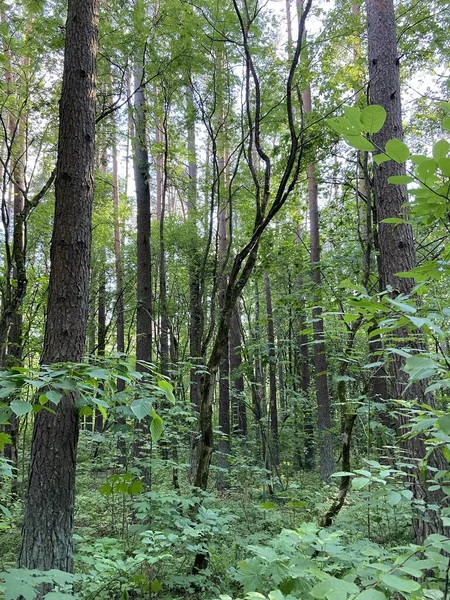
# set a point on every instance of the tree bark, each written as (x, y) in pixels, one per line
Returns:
(143, 267)
(273, 409)
(396, 243)
(47, 541)
(236, 376)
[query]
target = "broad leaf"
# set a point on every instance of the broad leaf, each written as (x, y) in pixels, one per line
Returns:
(156, 426)
(373, 118)
(399, 584)
(359, 142)
(20, 407)
(400, 179)
(397, 150)
(141, 408)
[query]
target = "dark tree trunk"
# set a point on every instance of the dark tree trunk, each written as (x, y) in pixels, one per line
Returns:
(396, 243)
(325, 439)
(224, 447)
(273, 409)
(143, 269)
(236, 376)
(47, 541)
(195, 294)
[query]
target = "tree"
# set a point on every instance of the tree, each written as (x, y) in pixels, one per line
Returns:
(47, 532)
(396, 242)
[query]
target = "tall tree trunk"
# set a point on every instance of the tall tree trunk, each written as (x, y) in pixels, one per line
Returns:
(325, 440)
(236, 376)
(397, 251)
(143, 267)
(224, 367)
(273, 409)
(47, 541)
(120, 322)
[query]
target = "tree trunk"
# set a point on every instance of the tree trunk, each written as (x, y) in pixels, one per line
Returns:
(143, 267)
(396, 243)
(273, 409)
(236, 376)
(325, 440)
(47, 541)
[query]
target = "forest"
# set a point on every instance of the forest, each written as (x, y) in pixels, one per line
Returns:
(224, 317)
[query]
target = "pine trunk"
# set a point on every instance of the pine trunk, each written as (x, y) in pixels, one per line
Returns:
(47, 541)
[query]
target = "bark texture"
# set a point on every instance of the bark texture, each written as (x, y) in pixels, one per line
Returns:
(47, 532)
(396, 243)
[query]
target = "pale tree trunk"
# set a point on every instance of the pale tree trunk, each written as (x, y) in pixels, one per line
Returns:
(47, 541)
(396, 243)
(120, 323)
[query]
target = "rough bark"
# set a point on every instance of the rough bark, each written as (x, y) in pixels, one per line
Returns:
(47, 541)
(325, 440)
(396, 243)
(143, 267)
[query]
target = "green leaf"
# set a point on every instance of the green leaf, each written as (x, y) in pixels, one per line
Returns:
(53, 396)
(4, 439)
(400, 179)
(393, 220)
(59, 596)
(371, 594)
(399, 584)
(397, 150)
(359, 142)
(353, 116)
(141, 408)
(156, 426)
(332, 587)
(427, 169)
(167, 388)
(444, 423)
(20, 407)
(373, 118)
(393, 498)
(440, 149)
(402, 306)
(446, 123)
(268, 506)
(360, 482)
(379, 159)
(444, 166)
(421, 367)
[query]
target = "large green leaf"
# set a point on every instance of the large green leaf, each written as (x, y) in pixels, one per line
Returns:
(156, 426)
(440, 149)
(333, 588)
(399, 584)
(400, 179)
(20, 407)
(397, 150)
(373, 118)
(359, 142)
(141, 408)
(167, 388)
(371, 594)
